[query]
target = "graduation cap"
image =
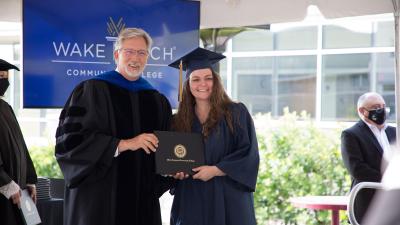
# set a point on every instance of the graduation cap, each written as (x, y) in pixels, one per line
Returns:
(5, 66)
(198, 58)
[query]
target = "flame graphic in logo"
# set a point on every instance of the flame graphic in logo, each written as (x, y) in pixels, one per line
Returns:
(114, 29)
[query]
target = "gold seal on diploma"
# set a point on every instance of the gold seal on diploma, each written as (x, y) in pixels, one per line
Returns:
(180, 151)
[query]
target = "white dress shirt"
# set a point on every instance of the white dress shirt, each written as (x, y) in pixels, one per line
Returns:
(383, 140)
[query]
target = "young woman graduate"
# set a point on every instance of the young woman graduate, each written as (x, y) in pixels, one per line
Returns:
(220, 192)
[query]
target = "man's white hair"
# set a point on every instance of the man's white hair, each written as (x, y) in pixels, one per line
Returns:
(363, 99)
(129, 33)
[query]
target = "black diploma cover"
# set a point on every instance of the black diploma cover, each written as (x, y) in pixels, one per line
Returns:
(28, 209)
(178, 152)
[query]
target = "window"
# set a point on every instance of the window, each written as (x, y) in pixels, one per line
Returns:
(294, 38)
(347, 76)
(222, 72)
(269, 84)
(296, 83)
(253, 40)
(384, 36)
(385, 80)
(252, 83)
(299, 38)
(349, 35)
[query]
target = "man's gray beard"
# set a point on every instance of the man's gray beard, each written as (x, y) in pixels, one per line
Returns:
(132, 75)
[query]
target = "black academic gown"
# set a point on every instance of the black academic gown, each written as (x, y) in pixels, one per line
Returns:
(15, 163)
(225, 200)
(103, 189)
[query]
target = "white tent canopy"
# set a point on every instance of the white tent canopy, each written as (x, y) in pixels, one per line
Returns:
(235, 13)
(11, 10)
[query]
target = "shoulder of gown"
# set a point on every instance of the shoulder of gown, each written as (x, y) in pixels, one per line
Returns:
(241, 165)
(85, 143)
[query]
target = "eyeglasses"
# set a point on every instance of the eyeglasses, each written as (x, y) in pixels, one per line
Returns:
(131, 52)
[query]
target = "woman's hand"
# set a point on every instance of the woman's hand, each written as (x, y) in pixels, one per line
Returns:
(206, 173)
(32, 192)
(181, 176)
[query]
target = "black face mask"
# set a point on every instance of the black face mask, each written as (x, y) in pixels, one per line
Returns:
(377, 115)
(4, 83)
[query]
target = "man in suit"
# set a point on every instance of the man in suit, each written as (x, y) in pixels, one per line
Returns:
(366, 147)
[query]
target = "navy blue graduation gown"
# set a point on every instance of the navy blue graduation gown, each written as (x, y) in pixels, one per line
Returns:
(225, 200)
(103, 189)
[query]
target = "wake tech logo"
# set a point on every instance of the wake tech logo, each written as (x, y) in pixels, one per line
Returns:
(113, 28)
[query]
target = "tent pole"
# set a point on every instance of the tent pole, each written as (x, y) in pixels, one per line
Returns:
(397, 71)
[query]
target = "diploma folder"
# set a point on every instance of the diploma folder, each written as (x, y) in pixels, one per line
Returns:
(178, 152)
(29, 212)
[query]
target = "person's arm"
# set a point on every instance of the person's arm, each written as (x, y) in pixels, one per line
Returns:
(7, 186)
(206, 173)
(11, 191)
(85, 146)
(353, 159)
(241, 164)
(146, 141)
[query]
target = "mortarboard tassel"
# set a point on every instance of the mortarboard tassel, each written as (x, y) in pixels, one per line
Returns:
(180, 82)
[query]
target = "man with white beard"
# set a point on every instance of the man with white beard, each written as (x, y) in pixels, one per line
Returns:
(105, 142)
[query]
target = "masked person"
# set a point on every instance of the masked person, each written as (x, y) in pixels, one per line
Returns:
(221, 191)
(105, 142)
(366, 146)
(16, 167)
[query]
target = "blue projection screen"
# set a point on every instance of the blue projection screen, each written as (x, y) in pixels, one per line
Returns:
(68, 41)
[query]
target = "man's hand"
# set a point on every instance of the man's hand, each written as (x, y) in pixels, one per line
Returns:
(205, 173)
(147, 141)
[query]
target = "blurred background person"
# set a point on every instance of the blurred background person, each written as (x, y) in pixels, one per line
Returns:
(16, 168)
(366, 146)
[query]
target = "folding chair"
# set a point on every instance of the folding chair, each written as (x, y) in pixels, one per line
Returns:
(352, 198)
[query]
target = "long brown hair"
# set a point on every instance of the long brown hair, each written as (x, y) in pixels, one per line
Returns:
(219, 108)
